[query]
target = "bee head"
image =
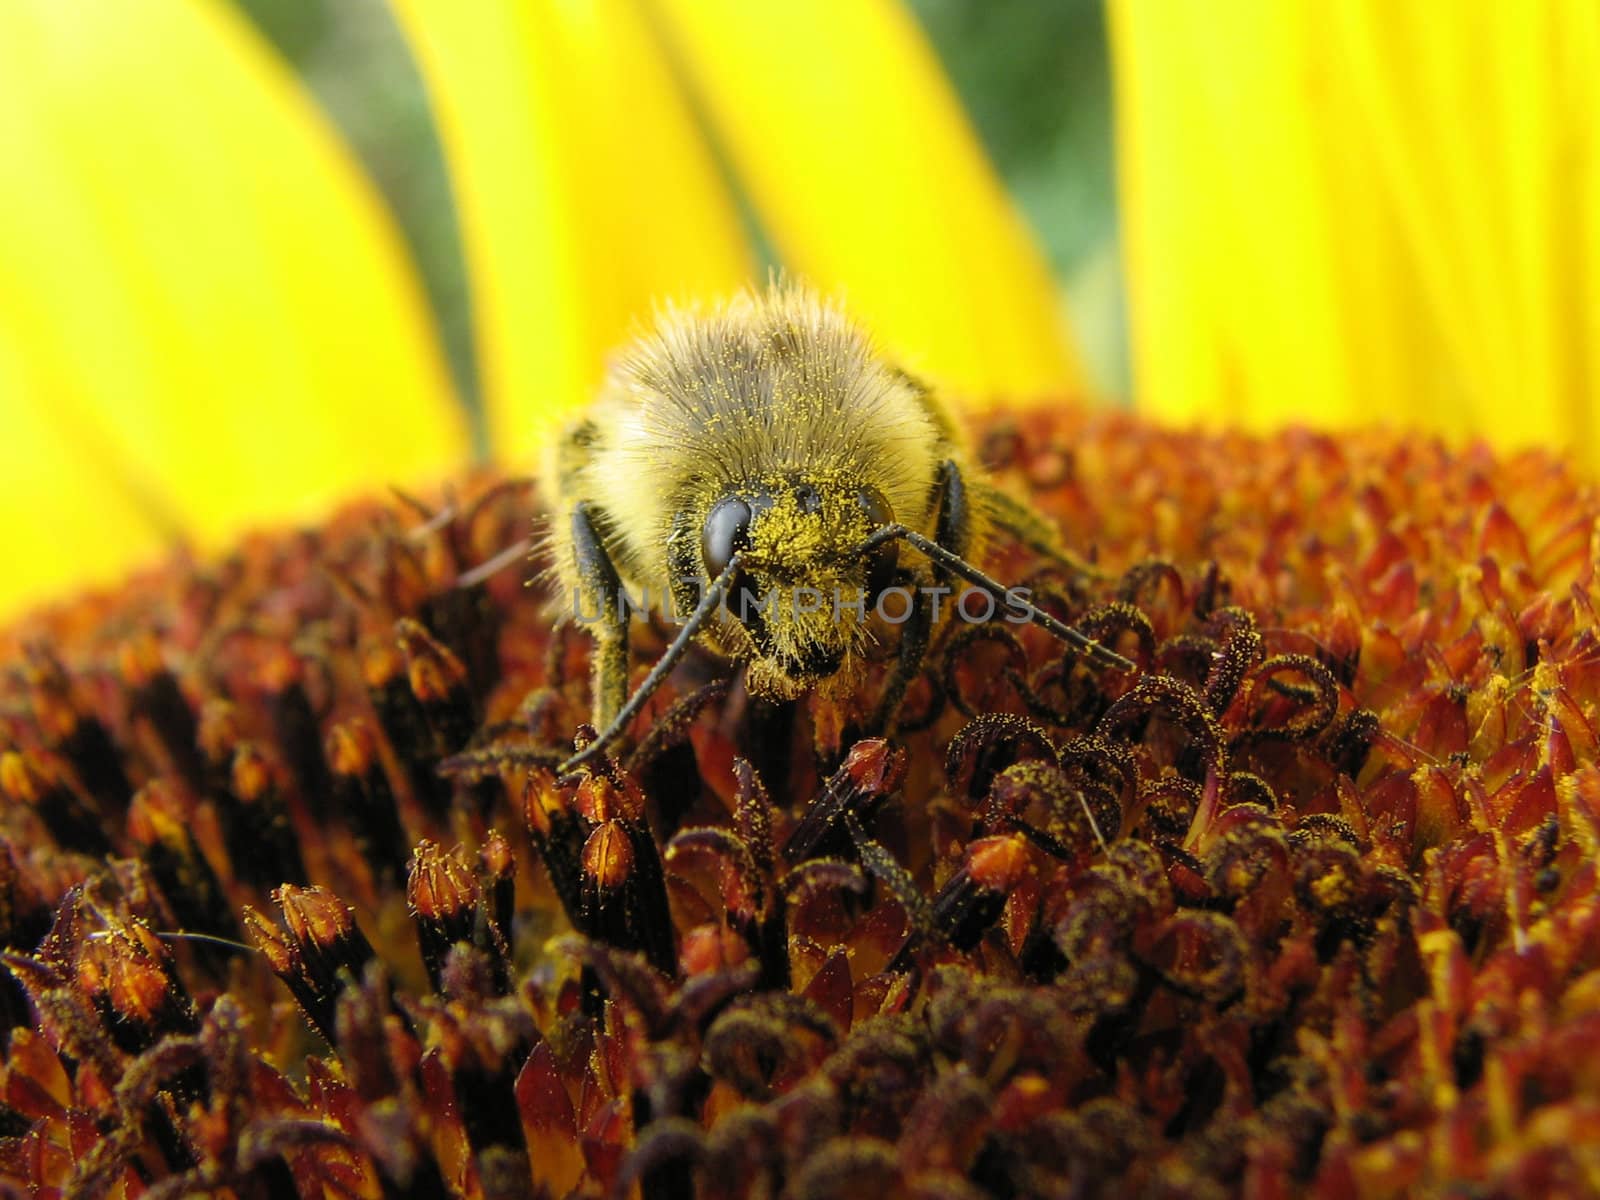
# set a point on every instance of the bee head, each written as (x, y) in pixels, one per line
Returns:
(803, 587)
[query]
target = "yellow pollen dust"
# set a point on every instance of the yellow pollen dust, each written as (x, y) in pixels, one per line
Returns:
(790, 541)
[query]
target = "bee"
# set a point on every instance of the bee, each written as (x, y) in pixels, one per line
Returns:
(763, 465)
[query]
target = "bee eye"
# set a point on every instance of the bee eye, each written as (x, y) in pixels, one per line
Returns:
(876, 507)
(726, 530)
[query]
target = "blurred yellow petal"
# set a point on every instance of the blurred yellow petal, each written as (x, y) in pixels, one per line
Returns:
(585, 192)
(1364, 210)
(67, 522)
(871, 183)
(200, 290)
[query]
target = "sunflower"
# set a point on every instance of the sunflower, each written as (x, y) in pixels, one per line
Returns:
(1369, 214)
(1306, 902)
(1363, 210)
(212, 321)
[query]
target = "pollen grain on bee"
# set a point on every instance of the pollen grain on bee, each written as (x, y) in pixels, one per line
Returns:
(892, 605)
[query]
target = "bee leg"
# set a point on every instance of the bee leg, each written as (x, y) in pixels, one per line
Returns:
(952, 529)
(600, 603)
(709, 603)
(916, 633)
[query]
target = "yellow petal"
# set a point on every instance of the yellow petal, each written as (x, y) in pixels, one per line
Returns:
(864, 171)
(585, 193)
(1364, 211)
(202, 293)
(66, 520)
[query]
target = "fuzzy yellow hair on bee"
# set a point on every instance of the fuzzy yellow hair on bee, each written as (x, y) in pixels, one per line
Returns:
(761, 464)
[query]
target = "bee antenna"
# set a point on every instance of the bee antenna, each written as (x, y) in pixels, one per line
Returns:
(658, 673)
(1094, 650)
